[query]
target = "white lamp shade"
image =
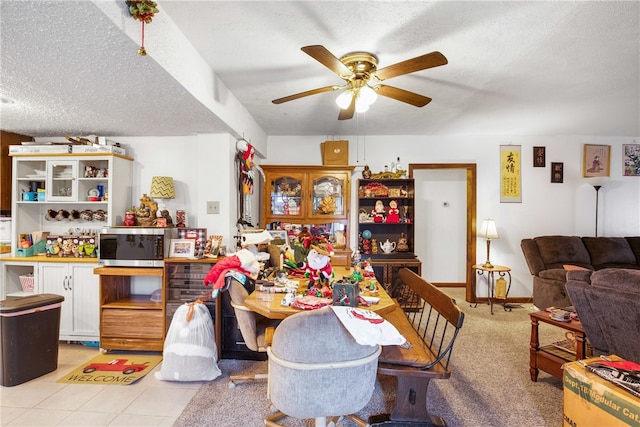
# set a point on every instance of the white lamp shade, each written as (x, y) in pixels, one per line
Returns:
(488, 229)
(367, 95)
(162, 188)
(344, 99)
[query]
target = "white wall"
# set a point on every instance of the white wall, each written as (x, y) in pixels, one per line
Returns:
(203, 170)
(546, 208)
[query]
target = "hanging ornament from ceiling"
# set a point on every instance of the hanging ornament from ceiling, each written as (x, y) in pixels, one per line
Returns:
(143, 11)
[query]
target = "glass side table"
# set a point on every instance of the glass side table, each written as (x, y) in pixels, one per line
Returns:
(497, 289)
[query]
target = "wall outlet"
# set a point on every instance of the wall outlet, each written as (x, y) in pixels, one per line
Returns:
(213, 207)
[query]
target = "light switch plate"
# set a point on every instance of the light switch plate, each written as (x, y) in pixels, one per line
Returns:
(213, 207)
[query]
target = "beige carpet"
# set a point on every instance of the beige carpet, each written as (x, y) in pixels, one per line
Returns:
(113, 369)
(490, 383)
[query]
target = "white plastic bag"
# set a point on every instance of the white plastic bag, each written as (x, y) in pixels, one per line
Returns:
(190, 351)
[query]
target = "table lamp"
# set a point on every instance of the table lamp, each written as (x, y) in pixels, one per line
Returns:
(162, 188)
(488, 231)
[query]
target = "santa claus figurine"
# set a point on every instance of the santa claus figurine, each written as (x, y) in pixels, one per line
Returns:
(393, 214)
(378, 211)
(318, 267)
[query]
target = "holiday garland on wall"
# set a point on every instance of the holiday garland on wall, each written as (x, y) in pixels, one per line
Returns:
(143, 11)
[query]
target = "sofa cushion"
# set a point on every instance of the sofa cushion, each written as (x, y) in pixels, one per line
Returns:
(609, 252)
(634, 243)
(559, 250)
(554, 274)
(622, 279)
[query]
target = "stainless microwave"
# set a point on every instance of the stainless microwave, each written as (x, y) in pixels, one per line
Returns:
(134, 246)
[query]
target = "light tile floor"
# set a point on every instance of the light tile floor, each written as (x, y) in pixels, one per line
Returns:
(43, 402)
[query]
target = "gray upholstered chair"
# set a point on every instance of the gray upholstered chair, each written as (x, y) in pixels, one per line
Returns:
(256, 330)
(318, 371)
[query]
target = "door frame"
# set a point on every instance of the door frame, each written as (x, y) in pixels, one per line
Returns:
(471, 172)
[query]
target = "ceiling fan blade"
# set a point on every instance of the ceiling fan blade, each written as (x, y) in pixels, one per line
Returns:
(348, 112)
(326, 58)
(429, 60)
(307, 93)
(402, 95)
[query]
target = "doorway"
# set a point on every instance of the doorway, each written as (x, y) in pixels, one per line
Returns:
(468, 238)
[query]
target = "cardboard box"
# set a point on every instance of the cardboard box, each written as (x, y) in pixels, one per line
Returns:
(335, 153)
(98, 149)
(36, 149)
(590, 400)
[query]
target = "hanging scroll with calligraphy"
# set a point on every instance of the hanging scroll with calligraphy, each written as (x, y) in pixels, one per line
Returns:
(510, 177)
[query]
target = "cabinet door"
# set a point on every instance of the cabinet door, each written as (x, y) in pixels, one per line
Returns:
(285, 196)
(55, 280)
(62, 184)
(86, 300)
(328, 195)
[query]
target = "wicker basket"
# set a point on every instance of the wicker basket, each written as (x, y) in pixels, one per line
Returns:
(27, 283)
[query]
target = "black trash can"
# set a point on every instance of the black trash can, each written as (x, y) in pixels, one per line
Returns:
(29, 332)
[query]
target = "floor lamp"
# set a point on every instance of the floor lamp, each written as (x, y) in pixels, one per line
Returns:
(597, 188)
(488, 231)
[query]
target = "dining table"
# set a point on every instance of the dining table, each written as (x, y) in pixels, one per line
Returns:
(265, 301)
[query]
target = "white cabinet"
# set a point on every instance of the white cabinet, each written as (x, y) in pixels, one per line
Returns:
(10, 284)
(80, 313)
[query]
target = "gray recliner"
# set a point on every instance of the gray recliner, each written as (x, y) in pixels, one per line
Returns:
(318, 371)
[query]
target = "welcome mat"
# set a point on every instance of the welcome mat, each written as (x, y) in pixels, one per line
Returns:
(113, 369)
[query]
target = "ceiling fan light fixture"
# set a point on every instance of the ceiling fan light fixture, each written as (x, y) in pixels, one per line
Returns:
(361, 107)
(344, 99)
(367, 95)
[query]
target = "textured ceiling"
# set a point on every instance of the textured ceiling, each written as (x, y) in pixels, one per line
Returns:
(515, 68)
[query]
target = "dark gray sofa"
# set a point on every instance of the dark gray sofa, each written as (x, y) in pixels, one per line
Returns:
(550, 257)
(608, 304)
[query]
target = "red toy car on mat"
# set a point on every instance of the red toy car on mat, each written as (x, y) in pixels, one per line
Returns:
(115, 365)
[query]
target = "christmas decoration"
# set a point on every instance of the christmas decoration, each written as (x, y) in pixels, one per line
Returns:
(143, 11)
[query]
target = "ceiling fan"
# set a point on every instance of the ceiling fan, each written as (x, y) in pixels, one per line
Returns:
(360, 72)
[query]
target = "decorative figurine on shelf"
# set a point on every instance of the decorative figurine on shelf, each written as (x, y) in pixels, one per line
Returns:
(374, 246)
(393, 214)
(366, 173)
(146, 212)
(366, 246)
(378, 212)
(318, 267)
(403, 245)
(388, 246)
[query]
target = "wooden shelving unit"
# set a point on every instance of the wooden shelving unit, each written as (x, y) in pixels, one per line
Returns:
(129, 321)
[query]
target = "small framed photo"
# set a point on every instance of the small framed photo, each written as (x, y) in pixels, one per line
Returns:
(539, 157)
(182, 248)
(279, 238)
(557, 172)
(631, 159)
(596, 160)
(199, 235)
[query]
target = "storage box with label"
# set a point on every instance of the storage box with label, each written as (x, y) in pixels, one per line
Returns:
(335, 153)
(593, 401)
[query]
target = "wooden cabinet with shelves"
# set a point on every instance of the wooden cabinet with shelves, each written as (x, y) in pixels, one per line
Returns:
(376, 231)
(393, 225)
(129, 321)
(317, 197)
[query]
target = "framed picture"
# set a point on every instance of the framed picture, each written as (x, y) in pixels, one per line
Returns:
(539, 157)
(631, 159)
(182, 248)
(199, 235)
(596, 160)
(557, 172)
(510, 174)
(280, 237)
